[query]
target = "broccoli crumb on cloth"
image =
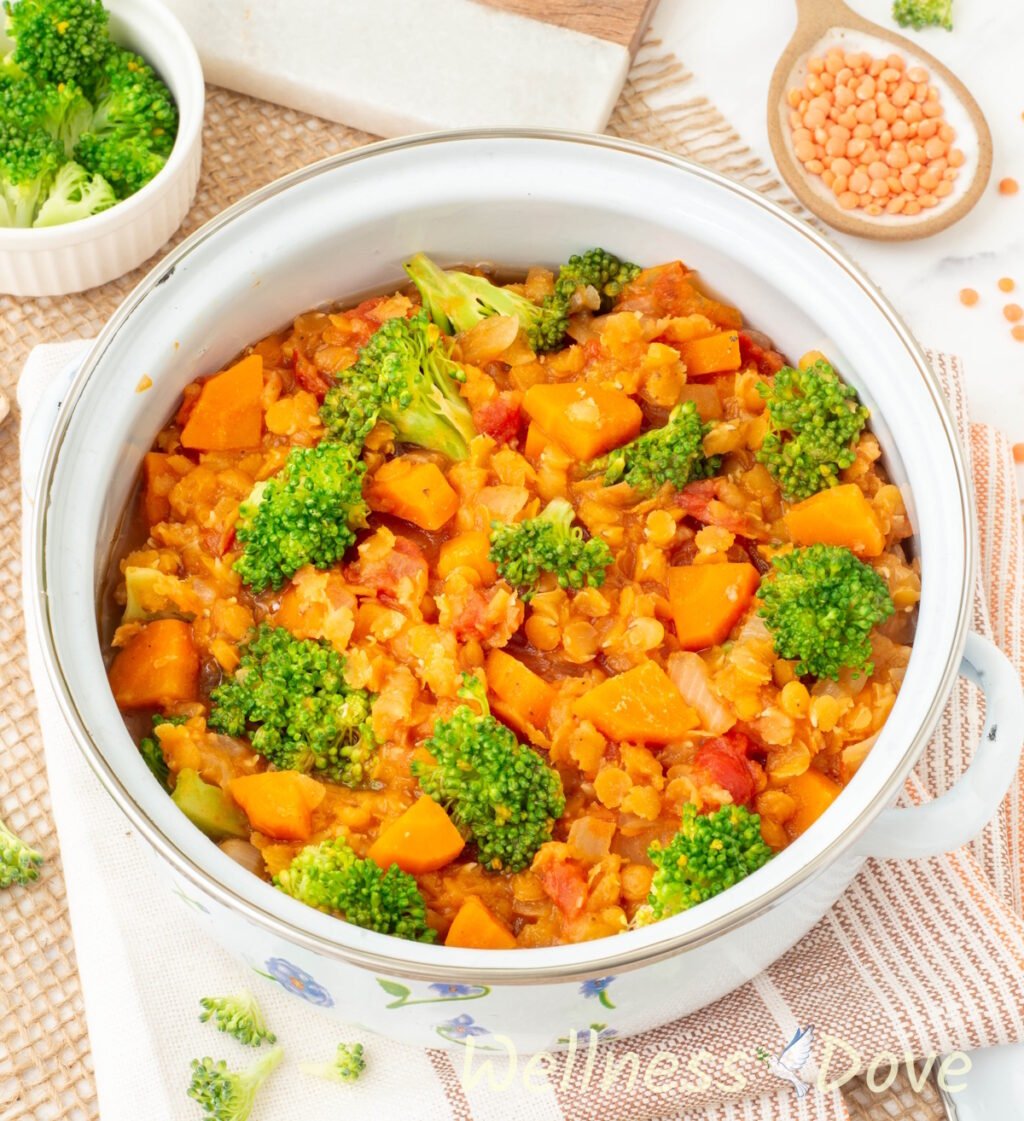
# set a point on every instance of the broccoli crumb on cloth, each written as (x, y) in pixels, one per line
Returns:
(229, 1095)
(923, 13)
(83, 122)
(19, 862)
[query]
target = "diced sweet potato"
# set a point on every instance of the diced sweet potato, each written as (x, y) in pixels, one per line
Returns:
(841, 515)
(476, 928)
(639, 706)
(525, 694)
(423, 839)
(158, 667)
(470, 549)
(708, 599)
(414, 490)
(229, 413)
(279, 803)
(714, 355)
(585, 418)
(814, 793)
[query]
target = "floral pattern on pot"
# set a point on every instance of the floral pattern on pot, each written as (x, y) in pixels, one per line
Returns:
(598, 987)
(446, 992)
(596, 1033)
(460, 1029)
(297, 981)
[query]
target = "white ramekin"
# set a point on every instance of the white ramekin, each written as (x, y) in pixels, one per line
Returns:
(60, 259)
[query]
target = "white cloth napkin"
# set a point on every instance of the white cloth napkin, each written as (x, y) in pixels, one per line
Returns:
(145, 962)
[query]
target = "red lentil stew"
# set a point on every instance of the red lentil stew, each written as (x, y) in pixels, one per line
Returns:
(512, 615)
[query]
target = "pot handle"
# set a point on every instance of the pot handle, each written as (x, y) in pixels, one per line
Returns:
(959, 815)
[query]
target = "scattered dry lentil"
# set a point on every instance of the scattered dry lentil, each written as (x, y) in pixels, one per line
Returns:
(1006, 284)
(1013, 312)
(1018, 453)
(1008, 186)
(968, 297)
(1018, 332)
(873, 131)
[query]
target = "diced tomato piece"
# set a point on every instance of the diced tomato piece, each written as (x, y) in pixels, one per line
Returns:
(725, 758)
(500, 417)
(767, 361)
(309, 377)
(565, 883)
(404, 562)
(700, 500)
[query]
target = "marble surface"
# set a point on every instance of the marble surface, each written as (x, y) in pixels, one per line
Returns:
(921, 278)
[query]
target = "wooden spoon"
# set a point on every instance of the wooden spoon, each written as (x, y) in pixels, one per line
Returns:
(822, 24)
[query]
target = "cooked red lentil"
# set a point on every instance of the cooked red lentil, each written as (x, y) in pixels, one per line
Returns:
(656, 687)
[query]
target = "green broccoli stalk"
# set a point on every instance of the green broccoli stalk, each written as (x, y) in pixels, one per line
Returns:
(58, 40)
(598, 269)
(306, 514)
(75, 194)
(501, 794)
(330, 877)
(151, 752)
(672, 454)
(19, 864)
(29, 159)
(229, 1095)
(457, 301)
(239, 1016)
(710, 853)
(290, 696)
(919, 14)
(820, 607)
(403, 376)
(815, 421)
(522, 551)
(348, 1064)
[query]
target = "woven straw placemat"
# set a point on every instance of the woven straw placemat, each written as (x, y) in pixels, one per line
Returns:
(45, 1062)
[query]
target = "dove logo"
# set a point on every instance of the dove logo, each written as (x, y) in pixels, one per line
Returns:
(792, 1060)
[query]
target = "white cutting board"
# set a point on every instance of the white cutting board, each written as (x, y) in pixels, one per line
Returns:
(398, 66)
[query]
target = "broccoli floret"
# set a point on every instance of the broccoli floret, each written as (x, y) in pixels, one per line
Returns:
(347, 1066)
(290, 696)
(330, 877)
(130, 97)
(501, 794)
(121, 156)
(820, 607)
(672, 454)
(814, 423)
(29, 160)
(599, 269)
(457, 301)
(306, 514)
(19, 863)
(239, 1016)
(710, 853)
(229, 1095)
(923, 13)
(58, 40)
(75, 194)
(152, 754)
(61, 111)
(522, 551)
(403, 376)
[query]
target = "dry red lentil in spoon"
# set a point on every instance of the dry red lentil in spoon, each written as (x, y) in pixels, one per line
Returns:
(874, 132)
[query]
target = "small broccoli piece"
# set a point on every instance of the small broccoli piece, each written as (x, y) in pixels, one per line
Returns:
(306, 514)
(239, 1016)
(130, 97)
(290, 696)
(330, 877)
(919, 14)
(820, 607)
(710, 853)
(672, 454)
(58, 40)
(19, 863)
(815, 421)
(123, 157)
(347, 1066)
(501, 794)
(457, 301)
(61, 111)
(152, 754)
(29, 160)
(598, 269)
(522, 551)
(403, 376)
(75, 194)
(229, 1095)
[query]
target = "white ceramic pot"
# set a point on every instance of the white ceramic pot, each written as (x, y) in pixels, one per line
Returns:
(70, 258)
(341, 228)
